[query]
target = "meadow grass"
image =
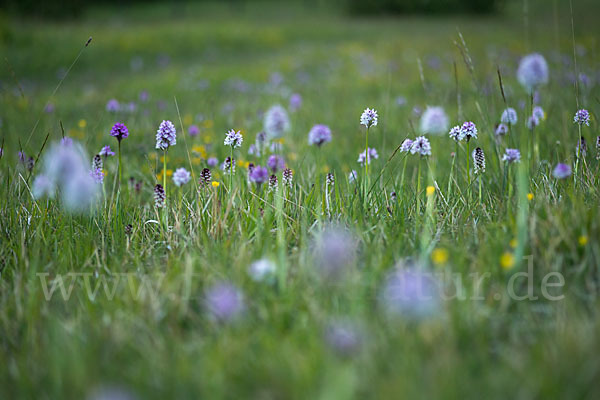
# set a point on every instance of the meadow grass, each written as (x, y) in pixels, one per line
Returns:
(134, 315)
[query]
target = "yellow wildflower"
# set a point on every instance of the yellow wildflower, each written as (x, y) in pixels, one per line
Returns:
(439, 256)
(507, 261)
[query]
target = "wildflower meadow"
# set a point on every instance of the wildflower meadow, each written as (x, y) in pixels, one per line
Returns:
(275, 200)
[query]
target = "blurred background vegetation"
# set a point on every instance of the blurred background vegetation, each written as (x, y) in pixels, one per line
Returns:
(73, 8)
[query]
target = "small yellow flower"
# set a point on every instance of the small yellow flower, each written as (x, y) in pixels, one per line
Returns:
(152, 156)
(325, 168)
(208, 123)
(82, 123)
(246, 164)
(430, 190)
(529, 196)
(513, 243)
(240, 163)
(293, 156)
(583, 239)
(439, 256)
(507, 261)
(187, 119)
(196, 160)
(162, 159)
(215, 184)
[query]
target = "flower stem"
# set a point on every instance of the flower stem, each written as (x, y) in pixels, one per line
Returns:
(231, 171)
(120, 176)
(366, 183)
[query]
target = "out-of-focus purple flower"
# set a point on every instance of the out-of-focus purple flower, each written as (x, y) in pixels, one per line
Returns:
(181, 176)
(119, 131)
(144, 96)
(582, 117)
(233, 139)
(561, 171)
(406, 146)
(532, 122)
(421, 146)
(295, 102)
(334, 252)
(369, 118)
(106, 152)
(166, 135)
(597, 148)
(319, 134)
(410, 293)
(262, 270)
(468, 130)
(193, 130)
(159, 196)
(259, 175)
(66, 141)
(254, 150)
(417, 111)
(538, 112)
(511, 156)
(276, 122)
(501, 130)
(275, 163)
(533, 71)
(67, 168)
(49, 109)
(224, 301)
(212, 162)
(1, 152)
(456, 133)
(434, 121)
(276, 79)
(371, 156)
(43, 186)
(400, 101)
(343, 337)
(112, 105)
(509, 116)
(21, 156)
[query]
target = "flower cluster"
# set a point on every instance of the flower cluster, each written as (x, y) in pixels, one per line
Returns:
(181, 176)
(434, 121)
(533, 71)
(276, 122)
(582, 117)
(119, 131)
(319, 134)
(159, 196)
(421, 146)
(165, 135)
(287, 177)
(509, 116)
(511, 156)
(371, 155)
(369, 118)
(233, 139)
(478, 160)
